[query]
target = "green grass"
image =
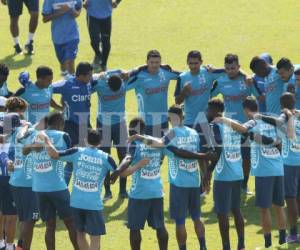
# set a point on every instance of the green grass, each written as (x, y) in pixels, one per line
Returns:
(174, 27)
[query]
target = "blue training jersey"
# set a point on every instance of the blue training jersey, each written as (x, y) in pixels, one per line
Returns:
(229, 166)
(4, 90)
(90, 168)
(265, 159)
(38, 100)
(99, 9)
(76, 97)
(234, 92)
(22, 174)
(183, 172)
(152, 93)
(48, 174)
(260, 83)
(195, 104)
(146, 182)
(64, 28)
(111, 104)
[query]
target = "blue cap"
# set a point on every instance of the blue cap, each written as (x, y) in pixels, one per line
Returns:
(267, 58)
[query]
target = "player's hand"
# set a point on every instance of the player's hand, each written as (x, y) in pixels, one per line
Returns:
(261, 98)
(4, 2)
(114, 176)
(187, 88)
(134, 137)
(10, 166)
(42, 137)
(209, 68)
(125, 75)
(254, 116)
(218, 119)
(288, 112)
(212, 155)
(37, 147)
(64, 8)
(144, 162)
(249, 81)
(100, 75)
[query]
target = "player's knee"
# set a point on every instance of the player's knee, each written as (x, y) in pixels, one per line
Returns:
(34, 15)
(162, 234)
(50, 226)
(180, 222)
(135, 236)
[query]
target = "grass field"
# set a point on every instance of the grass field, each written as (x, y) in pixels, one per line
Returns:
(173, 27)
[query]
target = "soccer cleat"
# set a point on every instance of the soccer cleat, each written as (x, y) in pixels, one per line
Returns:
(123, 195)
(290, 239)
(18, 49)
(29, 48)
(107, 196)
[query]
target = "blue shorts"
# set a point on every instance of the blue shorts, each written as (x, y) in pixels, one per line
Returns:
(291, 181)
(7, 204)
(66, 51)
(140, 211)
(184, 201)
(54, 203)
(157, 130)
(269, 190)
(115, 133)
(227, 196)
(26, 203)
(15, 7)
(89, 221)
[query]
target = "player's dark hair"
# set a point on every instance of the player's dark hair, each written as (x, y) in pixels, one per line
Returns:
(55, 119)
(231, 58)
(288, 100)
(176, 109)
(4, 70)
(114, 82)
(16, 104)
(194, 54)
(153, 53)
(137, 126)
(217, 104)
(83, 68)
(250, 103)
(43, 71)
(256, 63)
(297, 72)
(284, 63)
(93, 137)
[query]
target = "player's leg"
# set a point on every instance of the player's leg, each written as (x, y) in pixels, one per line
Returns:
(61, 202)
(263, 200)
(60, 51)
(119, 137)
(222, 194)
(179, 202)
(105, 33)
(71, 51)
(95, 227)
(2, 234)
(137, 214)
(50, 234)
(15, 9)
(236, 211)
(291, 186)
(10, 229)
(245, 151)
(33, 8)
(82, 241)
(94, 32)
(278, 201)
(79, 221)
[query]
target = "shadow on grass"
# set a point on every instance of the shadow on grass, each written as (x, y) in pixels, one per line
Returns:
(109, 210)
(17, 61)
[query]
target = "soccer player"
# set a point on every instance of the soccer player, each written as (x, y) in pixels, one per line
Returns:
(260, 82)
(90, 168)
(184, 174)
(111, 120)
(291, 154)
(65, 34)
(151, 84)
(296, 88)
(48, 181)
(76, 97)
(4, 72)
(21, 176)
(38, 95)
(15, 9)
(146, 192)
(8, 216)
(99, 18)
(267, 167)
(234, 90)
(228, 175)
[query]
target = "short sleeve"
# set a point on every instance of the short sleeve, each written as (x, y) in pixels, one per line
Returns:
(69, 155)
(47, 7)
(169, 137)
(59, 87)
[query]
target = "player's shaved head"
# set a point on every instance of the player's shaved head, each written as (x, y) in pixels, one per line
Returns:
(288, 101)
(93, 137)
(114, 82)
(56, 120)
(259, 66)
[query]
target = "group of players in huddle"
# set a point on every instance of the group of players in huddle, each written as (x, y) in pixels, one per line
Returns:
(253, 127)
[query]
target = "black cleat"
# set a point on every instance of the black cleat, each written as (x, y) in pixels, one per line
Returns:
(29, 48)
(18, 49)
